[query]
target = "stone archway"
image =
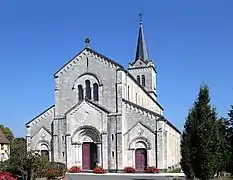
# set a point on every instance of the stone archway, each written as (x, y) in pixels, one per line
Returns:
(43, 149)
(139, 147)
(86, 134)
(89, 149)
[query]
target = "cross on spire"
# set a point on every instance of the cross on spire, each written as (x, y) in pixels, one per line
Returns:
(87, 41)
(140, 17)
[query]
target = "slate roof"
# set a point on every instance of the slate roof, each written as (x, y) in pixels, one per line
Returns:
(141, 52)
(3, 139)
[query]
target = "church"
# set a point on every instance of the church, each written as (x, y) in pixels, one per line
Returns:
(107, 115)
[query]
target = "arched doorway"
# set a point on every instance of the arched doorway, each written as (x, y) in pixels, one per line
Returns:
(89, 155)
(45, 154)
(44, 151)
(90, 140)
(141, 159)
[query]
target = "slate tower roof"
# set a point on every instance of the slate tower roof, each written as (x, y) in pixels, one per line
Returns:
(141, 52)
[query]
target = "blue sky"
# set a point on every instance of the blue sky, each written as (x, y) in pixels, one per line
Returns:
(191, 42)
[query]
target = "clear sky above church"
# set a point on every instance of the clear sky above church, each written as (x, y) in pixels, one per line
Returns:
(191, 42)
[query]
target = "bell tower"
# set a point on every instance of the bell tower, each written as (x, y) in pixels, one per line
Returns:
(143, 68)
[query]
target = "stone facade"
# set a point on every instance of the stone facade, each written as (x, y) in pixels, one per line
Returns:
(105, 115)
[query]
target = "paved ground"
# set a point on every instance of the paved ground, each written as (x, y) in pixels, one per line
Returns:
(116, 177)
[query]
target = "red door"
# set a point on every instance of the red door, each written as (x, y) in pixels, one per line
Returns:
(140, 159)
(86, 161)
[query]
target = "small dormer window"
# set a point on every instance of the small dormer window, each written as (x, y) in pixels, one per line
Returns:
(138, 79)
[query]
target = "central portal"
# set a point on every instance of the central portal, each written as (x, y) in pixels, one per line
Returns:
(89, 155)
(141, 159)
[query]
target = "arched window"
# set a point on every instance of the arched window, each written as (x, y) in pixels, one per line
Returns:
(88, 89)
(143, 81)
(138, 79)
(80, 92)
(96, 92)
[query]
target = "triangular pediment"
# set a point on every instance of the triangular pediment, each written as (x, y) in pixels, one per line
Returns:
(43, 132)
(84, 105)
(83, 54)
(138, 63)
(139, 128)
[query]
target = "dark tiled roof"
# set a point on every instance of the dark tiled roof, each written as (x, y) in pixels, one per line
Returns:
(142, 52)
(3, 139)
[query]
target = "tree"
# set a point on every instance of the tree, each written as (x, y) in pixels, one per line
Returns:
(7, 132)
(229, 129)
(201, 139)
(224, 153)
(186, 146)
(23, 164)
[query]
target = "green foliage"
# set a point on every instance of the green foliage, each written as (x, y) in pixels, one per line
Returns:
(224, 153)
(7, 132)
(177, 170)
(24, 165)
(202, 139)
(4, 166)
(229, 132)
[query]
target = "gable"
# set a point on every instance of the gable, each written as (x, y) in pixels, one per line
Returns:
(87, 104)
(138, 63)
(43, 132)
(139, 127)
(41, 139)
(41, 116)
(82, 54)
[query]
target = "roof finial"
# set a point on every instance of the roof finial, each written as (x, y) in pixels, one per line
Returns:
(140, 17)
(87, 41)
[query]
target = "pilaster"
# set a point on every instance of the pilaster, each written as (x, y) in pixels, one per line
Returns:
(99, 154)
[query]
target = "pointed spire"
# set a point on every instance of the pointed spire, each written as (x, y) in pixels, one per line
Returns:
(142, 52)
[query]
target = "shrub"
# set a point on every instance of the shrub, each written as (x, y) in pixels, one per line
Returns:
(6, 176)
(151, 169)
(99, 170)
(129, 170)
(55, 170)
(74, 169)
(177, 170)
